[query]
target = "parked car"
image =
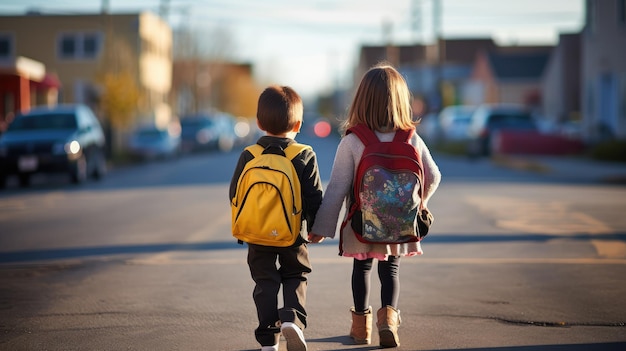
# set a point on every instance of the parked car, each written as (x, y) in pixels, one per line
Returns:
(61, 139)
(454, 122)
(488, 119)
(148, 143)
(247, 131)
(208, 132)
(429, 128)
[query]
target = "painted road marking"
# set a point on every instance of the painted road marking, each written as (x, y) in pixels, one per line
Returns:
(554, 218)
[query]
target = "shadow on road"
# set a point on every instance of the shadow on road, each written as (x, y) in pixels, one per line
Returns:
(616, 346)
(86, 252)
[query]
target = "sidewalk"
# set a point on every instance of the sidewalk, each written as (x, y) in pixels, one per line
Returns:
(567, 168)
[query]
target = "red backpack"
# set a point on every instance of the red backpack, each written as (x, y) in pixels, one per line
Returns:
(386, 206)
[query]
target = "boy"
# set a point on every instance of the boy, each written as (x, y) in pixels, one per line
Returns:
(279, 115)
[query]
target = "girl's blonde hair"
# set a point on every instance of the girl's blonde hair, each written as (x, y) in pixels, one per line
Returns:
(382, 101)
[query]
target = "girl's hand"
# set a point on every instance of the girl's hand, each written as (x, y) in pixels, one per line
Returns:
(316, 239)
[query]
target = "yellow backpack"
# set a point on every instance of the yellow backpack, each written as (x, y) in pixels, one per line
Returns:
(267, 207)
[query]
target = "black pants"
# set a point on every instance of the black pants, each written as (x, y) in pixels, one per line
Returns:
(389, 275)
(291, 272)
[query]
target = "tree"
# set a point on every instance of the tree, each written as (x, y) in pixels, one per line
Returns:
(239, 91)
(119, 98)
(120, 95)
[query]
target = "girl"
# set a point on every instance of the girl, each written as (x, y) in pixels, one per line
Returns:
(383, 103)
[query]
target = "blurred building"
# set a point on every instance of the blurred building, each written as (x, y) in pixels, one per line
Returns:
(201, 85)
(505, 77)
(81, 48)
(24, 83)
(463, 71)
(431, 69)
(561, 81)
(604, 70)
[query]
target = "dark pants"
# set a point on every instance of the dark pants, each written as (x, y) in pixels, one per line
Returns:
(389, 275)
(293, 266)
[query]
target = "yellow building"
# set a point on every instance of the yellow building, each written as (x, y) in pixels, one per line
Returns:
(80, 49)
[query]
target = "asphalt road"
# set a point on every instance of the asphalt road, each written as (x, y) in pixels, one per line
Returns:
(144, 260)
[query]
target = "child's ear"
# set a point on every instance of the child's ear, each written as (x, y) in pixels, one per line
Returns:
(297, 126)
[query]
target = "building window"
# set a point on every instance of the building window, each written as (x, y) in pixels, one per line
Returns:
(76, 46)
(90, 45)
(68, 47)
(6, 46)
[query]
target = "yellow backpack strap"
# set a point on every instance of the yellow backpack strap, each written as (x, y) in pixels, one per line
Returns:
(291, 151)
(256, 150)
(295, 149)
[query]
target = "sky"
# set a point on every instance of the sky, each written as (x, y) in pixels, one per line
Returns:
(313, 45)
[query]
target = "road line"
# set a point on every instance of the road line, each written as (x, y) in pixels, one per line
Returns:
(198, 236)
(548, 218)
(610, 248)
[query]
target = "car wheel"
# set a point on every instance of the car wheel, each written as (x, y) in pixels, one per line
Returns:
(24, 180)
(79, 171)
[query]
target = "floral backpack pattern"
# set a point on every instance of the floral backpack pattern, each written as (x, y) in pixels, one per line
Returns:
(386, 198)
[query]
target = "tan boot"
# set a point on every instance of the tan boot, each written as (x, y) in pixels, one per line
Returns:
(361, 330)
(388, 323)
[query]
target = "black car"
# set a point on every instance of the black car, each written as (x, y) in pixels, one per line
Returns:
(207, 132)
(488, 119)
(61, 139)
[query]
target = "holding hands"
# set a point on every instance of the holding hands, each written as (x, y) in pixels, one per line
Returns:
(316, 239)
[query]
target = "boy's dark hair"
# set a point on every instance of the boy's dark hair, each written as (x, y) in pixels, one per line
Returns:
(279, 109)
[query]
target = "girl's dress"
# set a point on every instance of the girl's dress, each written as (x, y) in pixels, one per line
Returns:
(338, 191)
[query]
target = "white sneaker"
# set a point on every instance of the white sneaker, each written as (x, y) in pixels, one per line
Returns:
(270, 348)
(294, 336)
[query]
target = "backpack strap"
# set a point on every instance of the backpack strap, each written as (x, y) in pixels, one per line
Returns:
(291, 151)
(403, 135)
(294, 149)
(256, 150)
(367, 136)
(362, 131)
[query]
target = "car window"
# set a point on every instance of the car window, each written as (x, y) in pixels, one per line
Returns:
(44, 122)
(196, 123)
(150, 134)
(464, 115)
(511, 120)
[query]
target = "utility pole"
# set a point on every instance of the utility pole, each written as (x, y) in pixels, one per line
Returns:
(416, 21)
(105, 7)
(440, 53)
(438, 29)
(164, 9)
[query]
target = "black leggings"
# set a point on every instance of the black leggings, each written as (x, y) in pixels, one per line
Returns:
(389, 275)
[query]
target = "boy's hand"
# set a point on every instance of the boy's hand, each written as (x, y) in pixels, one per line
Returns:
(316, 239)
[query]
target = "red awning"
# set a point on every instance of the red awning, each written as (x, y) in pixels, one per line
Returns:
(49, 81)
